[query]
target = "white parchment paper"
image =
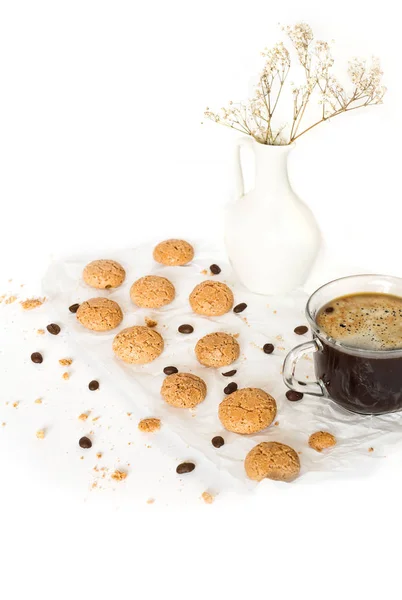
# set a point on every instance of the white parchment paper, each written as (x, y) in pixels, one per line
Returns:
(266, 319)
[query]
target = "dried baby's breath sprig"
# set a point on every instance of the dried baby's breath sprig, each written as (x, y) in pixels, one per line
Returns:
(256, 116)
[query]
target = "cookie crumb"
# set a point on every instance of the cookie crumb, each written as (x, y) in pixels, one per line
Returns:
(129, 414)
(15, 404)
(150, 322)
(371, 449)
(38, 401)
(276, 423)
(207, 497)
(150, 500)
(32, 303)
(10, 299)
(40, 332)
(149, 425)
(83, 416)
(66, 376)
(95, 418)
(65, 362)
(3, 424)
(99, 455)
(40, 434)
(118, 475)
(204, 272)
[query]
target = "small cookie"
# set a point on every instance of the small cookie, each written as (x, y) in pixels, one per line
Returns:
(320, 440)
(138, 345)
(211, 298)
(247, 410)
(183, 390)
(152, 292)
(99, 314)
(149, 425)
(217, 350)
(104, 274)
(173, 253)
(272, 460)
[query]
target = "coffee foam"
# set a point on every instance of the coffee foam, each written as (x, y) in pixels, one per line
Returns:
(368, 321)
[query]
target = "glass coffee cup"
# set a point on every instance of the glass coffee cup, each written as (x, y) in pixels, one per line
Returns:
(361, 379)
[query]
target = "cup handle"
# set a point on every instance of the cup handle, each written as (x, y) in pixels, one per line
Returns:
(315, 388)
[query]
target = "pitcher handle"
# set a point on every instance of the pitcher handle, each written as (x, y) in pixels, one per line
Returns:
(315, 388)
(238, 176)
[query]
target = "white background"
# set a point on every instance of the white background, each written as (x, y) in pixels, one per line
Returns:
(101, 146)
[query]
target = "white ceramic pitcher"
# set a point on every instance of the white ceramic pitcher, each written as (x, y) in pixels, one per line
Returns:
(271, 237)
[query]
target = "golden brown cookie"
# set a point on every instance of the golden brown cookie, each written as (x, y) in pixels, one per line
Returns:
(247, 410)
(217, 350)
(138, 345)
(99, 314)
(272, 460)
(104, 274)
(149, 425)
(152, 292)
(320, 440)
(173, 253)
(183, 390)
(211, 298)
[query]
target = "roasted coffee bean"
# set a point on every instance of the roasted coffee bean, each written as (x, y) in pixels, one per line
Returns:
(93, 385)
(85, 443)
(170, 370)
(185, 467)
(73, 308)
(301, 330)
(230, 373)
(240, 307)
(215, 269)
(186, 328)
(217, 441)
(230, 388)
(53, 329)
(294, 396)
(268, 348)
(329, 310)
(36, 357)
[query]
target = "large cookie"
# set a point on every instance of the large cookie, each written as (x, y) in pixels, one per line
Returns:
(173, 253)
(152, 292)
(247, 410)
(104, 274)
(272, 460)
(217, 350)
(211, 298)
(138, 345)
(99, 314)
(183, 390)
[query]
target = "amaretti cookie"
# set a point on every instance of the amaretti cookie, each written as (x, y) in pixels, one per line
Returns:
(217, 350)
(211, 298)
(173, 253)
(272, 460)
(152, 291)
(247, 410)
(104, 274)
(99, 314)
(183, 390)
(138, 345)
(321, 440)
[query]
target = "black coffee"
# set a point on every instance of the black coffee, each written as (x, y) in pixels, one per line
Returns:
(370, 322)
